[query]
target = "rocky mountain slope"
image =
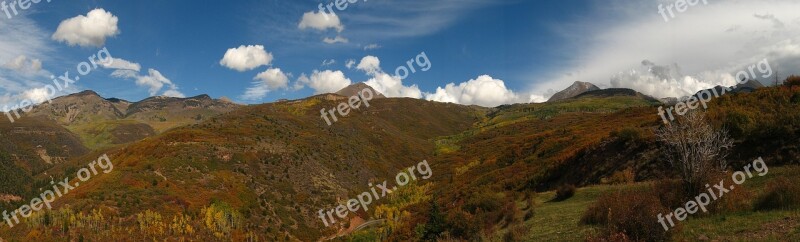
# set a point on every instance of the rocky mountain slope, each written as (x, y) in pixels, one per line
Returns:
(573, 90)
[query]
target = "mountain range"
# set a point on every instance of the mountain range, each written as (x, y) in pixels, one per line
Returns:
(273, 166)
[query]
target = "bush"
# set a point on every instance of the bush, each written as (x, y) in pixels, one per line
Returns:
(628, 215)
(792, 81)
(564, 192)
(627, 134)
(780, 193)
(621, 177)
(735, 200)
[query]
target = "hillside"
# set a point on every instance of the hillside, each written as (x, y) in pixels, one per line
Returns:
(279, 164)
(271, 167)
(30, 147)
(102, 122)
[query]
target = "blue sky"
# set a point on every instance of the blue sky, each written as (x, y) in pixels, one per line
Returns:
(491, 52)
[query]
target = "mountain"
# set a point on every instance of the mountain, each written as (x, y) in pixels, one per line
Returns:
(79, 108)
(615, 92)
(276, 163)
(355, 89)
(575, 89)
(103, 122)
(267, 170)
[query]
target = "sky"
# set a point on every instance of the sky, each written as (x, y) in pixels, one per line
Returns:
(482, 52)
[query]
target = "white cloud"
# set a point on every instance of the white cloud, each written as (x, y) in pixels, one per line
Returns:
(324, 81)
(328, 62)
(350, 63)
(390, 86)
(709, 44)
(37, 95)
(668, 81)
(23, 64)
(372, 47)
(269, 80)
(121, 64)
(245, 58)
(320, 21)
(89, 30)
(154, 81)
(338, 39)
(483, 91)
(173, 93)
(369, 64)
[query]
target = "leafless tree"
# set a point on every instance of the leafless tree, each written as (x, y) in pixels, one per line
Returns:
(694, 147)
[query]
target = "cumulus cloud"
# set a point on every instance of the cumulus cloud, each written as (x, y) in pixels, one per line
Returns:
(350, 63)
(483, 91)
(269, 80)
(37, 95)
(390, 86)
(668, 81)
(709, 44)
(89, 30)
(320, 21)
(245, 58)
(326, 81)
(337, 39)
(24, 64)
(369, 64)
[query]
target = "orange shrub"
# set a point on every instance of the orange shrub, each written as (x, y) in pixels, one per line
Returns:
(628, 215)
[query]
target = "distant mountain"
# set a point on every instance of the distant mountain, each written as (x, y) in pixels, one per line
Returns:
(574, 90)
(354, 89)
(102, 122)
(747, 87)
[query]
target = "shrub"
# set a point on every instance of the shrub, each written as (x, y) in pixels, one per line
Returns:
(792, 81)
(628, 215)
(780, 193)
(621, 177)
(627, 134)
(735, 200)
(564, 192)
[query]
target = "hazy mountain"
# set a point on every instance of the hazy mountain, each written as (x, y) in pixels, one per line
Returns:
(575, 89)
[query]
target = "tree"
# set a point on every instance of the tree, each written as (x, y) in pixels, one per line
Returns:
(436, 224)
(695, 148)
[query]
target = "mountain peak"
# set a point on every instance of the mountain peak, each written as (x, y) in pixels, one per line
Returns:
(574, 90)
(354, 89)
(87, 93)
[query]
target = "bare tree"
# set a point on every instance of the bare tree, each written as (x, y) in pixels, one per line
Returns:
(694, 148)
